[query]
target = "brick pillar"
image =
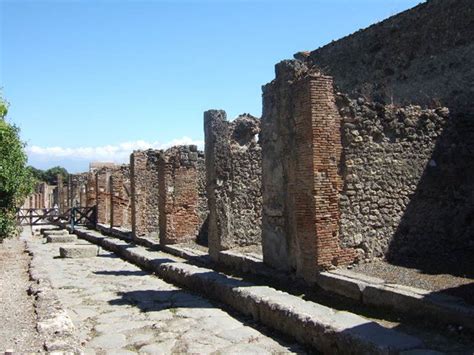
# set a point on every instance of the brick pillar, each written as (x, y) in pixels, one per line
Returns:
(103, 195)
(90, 189)
(144, 189)
(120, 198)
(233, 168)
(180, 171)
(301, 183)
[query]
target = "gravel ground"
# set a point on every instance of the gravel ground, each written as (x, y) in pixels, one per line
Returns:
(18, 329)
(443, 283)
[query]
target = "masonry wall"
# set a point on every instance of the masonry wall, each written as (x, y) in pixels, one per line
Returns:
(387, 150)
(234, 173)
(121, 207)
(424, 55)
(301, 152)
(408, 185)
(91, 194)
(63, 195)
(103, 195)
(182, 202)
(76, 183)
(145, 194)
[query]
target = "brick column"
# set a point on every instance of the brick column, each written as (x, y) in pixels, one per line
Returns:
(301, 183)
(144, 189)
(182, 202)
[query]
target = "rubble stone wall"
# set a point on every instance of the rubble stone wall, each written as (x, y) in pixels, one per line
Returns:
(234, 173)
(145, 194)
(181, 198)
(423, 56)
(387, 151)
(121, 208)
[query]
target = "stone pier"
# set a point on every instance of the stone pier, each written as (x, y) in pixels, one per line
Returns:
(233, 168)
(182, 202)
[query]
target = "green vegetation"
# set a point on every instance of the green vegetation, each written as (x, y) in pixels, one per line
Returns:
(16, 181)
(49, 176)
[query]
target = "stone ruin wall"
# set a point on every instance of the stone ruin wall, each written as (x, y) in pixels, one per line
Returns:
(145, 194)
(121, 207)
(103, 195)
(91, 194)
(349, 179)
(77, 190)
(301, 152)
(182, 200)
(62, 194)
(234, 173)
(387, 152)
(423, 56)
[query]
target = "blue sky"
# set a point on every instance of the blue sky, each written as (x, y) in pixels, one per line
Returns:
(93, 80)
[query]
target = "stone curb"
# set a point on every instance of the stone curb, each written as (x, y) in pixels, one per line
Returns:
(321, 327)
(414, 301)
(366, 290)
(53, 323)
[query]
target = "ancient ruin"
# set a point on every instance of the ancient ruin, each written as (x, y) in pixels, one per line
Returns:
(145, 195)
(234, 173)
(182, 197)
(364, 154)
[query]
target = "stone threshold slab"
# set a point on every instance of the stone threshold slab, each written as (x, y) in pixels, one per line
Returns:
(321, 327)
(373, 291)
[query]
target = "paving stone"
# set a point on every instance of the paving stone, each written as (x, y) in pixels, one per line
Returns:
(247, 349)
(108, 341)
(165, 347)
(78, 251)
(118, 326)
(141, 338)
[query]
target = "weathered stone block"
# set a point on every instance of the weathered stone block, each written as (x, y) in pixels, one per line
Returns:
(65, 238)
(78, 251)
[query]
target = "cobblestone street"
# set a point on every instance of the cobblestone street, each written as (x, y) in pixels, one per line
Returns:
(118, 308)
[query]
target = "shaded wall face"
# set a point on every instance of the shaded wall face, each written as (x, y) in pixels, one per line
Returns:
(181, 205)
(386, 152)
(145, 193)
(233, 167)
(121, 198)
(422, 56)
(301, 150)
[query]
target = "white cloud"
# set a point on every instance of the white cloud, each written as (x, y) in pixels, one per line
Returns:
(119, 153)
